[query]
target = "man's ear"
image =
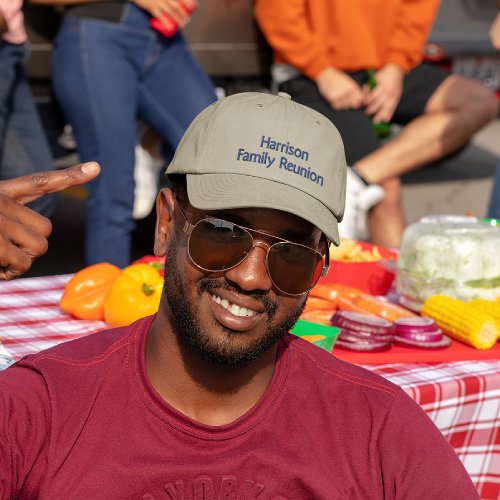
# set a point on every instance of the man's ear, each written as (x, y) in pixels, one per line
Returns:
(165, 203)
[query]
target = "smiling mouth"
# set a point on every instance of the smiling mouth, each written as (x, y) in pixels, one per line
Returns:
(233, 308)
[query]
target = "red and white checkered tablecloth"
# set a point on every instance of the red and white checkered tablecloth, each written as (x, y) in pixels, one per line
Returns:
(462, 397)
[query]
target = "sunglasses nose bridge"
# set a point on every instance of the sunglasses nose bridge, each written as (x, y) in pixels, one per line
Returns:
(261, 244)
(252, 272)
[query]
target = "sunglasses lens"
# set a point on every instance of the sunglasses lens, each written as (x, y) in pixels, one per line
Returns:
(217, 245)
(294, 269)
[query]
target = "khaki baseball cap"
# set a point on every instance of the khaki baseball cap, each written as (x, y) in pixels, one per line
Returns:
(261, 150)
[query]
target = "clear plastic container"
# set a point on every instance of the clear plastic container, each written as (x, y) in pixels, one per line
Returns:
(457, 256)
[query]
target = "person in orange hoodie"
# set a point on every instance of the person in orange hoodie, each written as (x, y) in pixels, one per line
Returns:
(322, 51)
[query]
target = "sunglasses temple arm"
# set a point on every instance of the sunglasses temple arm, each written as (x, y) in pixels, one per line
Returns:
(326, 266)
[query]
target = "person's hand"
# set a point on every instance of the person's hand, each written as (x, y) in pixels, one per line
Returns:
(177, 10)
(23, 232)
(495, 32)
(381, 102)
(339, 89)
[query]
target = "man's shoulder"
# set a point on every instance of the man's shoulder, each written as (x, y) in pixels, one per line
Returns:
(335, 374)
(86, 353)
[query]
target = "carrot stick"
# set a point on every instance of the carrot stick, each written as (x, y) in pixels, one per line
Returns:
(382, 308)
(349, 304)
(314, 303)
(333, 292)
(318, 316)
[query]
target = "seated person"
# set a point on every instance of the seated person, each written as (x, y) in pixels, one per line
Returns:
(212, 397)
(323, 49)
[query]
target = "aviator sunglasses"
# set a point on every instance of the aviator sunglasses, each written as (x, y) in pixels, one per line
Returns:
(216, 245)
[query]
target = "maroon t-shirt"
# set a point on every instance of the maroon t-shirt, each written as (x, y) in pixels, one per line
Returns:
(81, 420)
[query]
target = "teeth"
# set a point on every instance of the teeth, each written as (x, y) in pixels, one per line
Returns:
(233, 308)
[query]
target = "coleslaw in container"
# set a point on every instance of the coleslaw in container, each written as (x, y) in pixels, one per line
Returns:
(451, 255)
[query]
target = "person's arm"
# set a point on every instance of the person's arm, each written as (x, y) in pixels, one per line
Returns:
(413, 23)
(23, 232)
(286, 28)
(178, 10)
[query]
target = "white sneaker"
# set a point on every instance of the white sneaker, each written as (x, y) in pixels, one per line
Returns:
(359, 199)
(146, 174)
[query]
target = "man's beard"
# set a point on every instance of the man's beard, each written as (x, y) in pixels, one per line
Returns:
(191, 333)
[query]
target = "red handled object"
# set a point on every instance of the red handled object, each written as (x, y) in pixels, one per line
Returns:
(170, 27)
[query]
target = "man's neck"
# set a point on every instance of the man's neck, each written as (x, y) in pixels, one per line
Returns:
(205, 392)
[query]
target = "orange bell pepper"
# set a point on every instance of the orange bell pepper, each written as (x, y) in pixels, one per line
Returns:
(134, 294)
(84, 294)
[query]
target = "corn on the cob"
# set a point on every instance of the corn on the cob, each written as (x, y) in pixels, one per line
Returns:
(491, 307)
(462, 321)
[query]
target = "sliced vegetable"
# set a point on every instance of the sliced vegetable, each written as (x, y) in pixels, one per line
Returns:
(438, 344)
(421, 337)
(315, 303)
(462, 321)
(333, 292)
(84, 294)
(318, 316)
(362, 322)
(415, 324)
(369, 304)
(356, 346)
(362, 338)
(134, 294)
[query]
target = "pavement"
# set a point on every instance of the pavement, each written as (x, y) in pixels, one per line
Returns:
(458, 185)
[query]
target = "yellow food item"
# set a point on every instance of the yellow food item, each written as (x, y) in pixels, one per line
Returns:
(313, 338)
(491, 307)
(351, 251)
(462, 321)
(84, 293)
(135, 293)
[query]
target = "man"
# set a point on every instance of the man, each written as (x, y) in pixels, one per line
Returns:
(24, 232)
(211, 397)
(323, 49)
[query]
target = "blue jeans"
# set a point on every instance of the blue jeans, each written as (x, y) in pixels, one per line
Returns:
(105, 74)
(494, 205)
(24, 148)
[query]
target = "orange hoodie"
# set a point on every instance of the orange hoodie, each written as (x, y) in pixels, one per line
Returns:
(349, 35)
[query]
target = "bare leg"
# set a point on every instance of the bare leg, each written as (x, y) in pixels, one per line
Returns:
(385, 220)
(455, 112)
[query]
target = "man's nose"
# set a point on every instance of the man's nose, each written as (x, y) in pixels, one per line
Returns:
(251, 274)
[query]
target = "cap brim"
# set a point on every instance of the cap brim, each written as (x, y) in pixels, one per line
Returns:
(226, 191)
